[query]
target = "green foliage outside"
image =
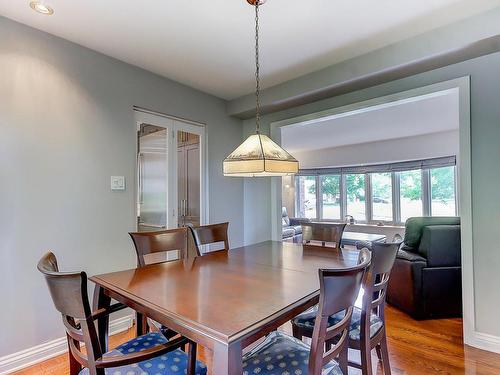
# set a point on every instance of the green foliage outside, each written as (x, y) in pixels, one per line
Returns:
(330, 186)
(442, 184)
(382, 185)
(411, 185)
(355, 187)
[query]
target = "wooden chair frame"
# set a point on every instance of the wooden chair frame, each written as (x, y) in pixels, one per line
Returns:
(323, 232)
(70, 297)
(375, 290)
(338, 292)
(147, 243)
(375, 284)
(208, 234)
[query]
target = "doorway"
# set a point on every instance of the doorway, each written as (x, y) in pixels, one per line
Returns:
(170, 172)
(463, 174)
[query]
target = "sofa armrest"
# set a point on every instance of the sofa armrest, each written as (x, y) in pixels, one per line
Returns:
(440, 244)
(298, 220)
(410, 256)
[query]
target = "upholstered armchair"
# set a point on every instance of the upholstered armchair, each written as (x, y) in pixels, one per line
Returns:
(291, 226)
(426, 279)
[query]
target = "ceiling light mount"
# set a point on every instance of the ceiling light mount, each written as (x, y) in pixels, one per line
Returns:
(41, 7)
(254, 2)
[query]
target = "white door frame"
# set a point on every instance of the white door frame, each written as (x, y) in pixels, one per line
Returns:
(464, 194)
(174, 124)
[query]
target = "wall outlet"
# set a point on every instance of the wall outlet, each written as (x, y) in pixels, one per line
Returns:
(117, 182)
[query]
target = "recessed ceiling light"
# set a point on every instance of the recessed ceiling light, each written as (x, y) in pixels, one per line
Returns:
(41, 7)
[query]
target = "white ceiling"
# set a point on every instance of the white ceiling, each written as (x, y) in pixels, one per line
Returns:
(412, 117)
(208, 44)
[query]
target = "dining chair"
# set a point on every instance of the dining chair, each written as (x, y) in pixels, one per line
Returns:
(283, 354)
(328, 234)
(157, 247)
(148, 354)
(210, 234)
(367, 328)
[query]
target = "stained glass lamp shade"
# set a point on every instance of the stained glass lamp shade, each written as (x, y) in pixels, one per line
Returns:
(258, 156)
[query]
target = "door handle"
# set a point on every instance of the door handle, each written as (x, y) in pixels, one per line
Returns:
(182, 209)
(141, 182)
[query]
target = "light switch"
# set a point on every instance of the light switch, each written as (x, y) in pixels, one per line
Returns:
(117, 182)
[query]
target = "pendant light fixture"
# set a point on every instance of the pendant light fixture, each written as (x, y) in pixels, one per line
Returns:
(259, 155)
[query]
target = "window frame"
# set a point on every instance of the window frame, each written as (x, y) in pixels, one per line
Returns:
(396, 194)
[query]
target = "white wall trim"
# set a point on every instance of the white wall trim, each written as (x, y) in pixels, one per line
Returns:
(484, 341)
(31, 356)
(175, 124)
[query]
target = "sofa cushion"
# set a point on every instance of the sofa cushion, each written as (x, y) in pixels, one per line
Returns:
(440, 245)
(282, 354)
(308, 318)
(415, 226)
(174, 362)
(297, 229)
(288, 232)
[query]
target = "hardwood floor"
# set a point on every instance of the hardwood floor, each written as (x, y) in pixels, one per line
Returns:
(415, 347)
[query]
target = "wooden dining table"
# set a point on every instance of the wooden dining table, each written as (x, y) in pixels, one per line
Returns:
(225, 300)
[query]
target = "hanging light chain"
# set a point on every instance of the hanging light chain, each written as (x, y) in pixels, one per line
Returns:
(257, 69)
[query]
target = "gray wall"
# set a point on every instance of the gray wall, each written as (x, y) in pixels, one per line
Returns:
(485, 149)
(446, 38)
(424, 146)
(67, 125)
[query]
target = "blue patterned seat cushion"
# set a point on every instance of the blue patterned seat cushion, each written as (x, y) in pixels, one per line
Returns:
(280, 354)
(171, 363)
(307, 319)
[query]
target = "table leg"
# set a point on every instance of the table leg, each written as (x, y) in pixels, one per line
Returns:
(101, 300)
(227, 359)
(141, 324)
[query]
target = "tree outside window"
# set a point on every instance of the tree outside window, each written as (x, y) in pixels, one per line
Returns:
(355, 191)
(381, 196)
(443, 191)
(330, 188)
(411, 194)
(438, 189)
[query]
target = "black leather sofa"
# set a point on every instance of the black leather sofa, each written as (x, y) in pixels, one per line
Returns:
(291, 226)
(426, 281)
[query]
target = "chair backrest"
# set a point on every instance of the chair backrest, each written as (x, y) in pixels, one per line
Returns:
(210, 234)
(152, 247)
(376, 282)
(339, 289)
(326, 233)
(70, 297)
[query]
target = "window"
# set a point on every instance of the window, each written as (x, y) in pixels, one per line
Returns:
(306, 199)
(388, 193)
(330, 190)
(443, 191)
(381, 196)
(355, 196)
(410, 194)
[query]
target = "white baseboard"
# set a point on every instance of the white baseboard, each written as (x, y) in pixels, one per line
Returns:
(484, 341)
(28, 357)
